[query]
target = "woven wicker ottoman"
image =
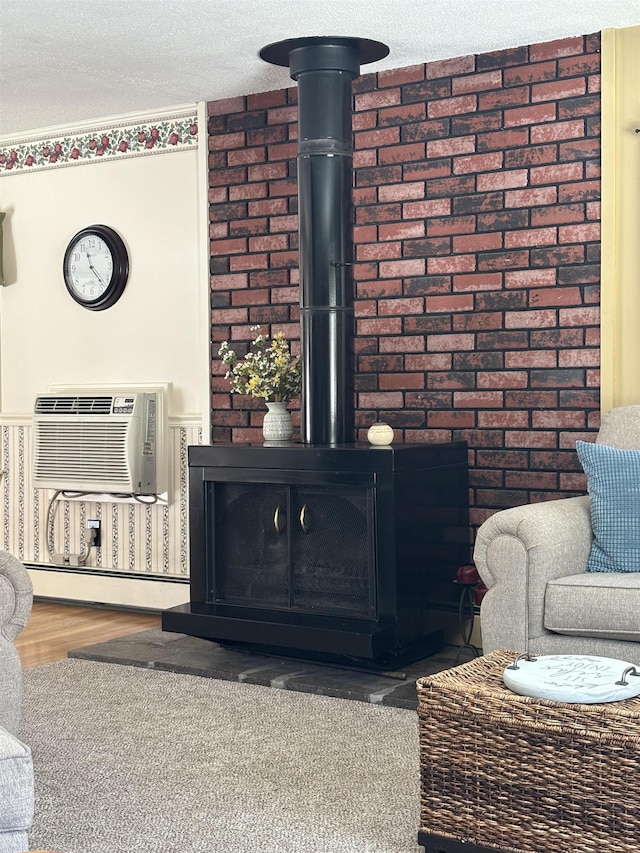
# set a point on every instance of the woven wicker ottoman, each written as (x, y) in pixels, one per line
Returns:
(504, 772)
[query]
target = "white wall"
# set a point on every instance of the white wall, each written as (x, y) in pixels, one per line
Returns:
(157, 332)
(154, 333)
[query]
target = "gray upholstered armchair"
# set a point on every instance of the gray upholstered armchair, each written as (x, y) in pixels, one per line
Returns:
(16, 596)
(533, 559)
(16, 770)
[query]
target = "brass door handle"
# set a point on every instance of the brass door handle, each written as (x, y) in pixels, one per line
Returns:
(279, 521)
(304, 519)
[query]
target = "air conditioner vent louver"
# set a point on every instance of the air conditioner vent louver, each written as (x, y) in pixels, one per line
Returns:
(74, 405)
(96, 443)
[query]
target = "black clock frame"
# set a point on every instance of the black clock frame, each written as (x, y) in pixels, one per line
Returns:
(120, 274)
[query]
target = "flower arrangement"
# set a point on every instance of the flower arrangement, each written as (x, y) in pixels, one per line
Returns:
(268, 371)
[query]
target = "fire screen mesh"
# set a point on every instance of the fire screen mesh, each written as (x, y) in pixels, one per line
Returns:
(305, 548)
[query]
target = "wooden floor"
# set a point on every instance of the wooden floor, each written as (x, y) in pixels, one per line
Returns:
(53, 629)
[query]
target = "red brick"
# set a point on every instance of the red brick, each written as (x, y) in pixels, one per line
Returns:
(440, 226)
(393, 269)
(401, 192)
(428, 361)
(587, 232)
(556, 296)
(377, 138)
(556, 49)
(579, 358)
(477, 281)
(227, 105)
(378, 251)
(530, 319)
(557, 214)
(504, 98)
(502, 180)
(250, 297)
(503, 379)
(248, 191)
(377, 99)
(271, 243)
(559, 130)
(450, 343)
(450, 67)
(531, 278)
(230, 281)
(567, 88)
(478, 399)
(400, 76)
(531, 358)
(501, 139)
(451, 264)
(531, 197)
(470, 243)
(268, 99)
(402, 230)
(529, 73)
(400, 307)
(247, 262)
(227, 247)
(451, 145)
(401, 381)
(426, 208)
(530, 237)
(529, 115)
(579, 316)
(388, 326)
(477, 82)
(401, 153)
(478, 163)
(531, 438)
(452, 106)
(406, 343)
(449, 304)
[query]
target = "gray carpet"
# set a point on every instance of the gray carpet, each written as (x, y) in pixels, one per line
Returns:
(129, 760)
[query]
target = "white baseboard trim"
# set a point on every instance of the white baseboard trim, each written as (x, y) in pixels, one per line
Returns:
(86, 588)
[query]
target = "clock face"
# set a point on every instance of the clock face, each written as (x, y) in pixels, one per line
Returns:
(96, 267)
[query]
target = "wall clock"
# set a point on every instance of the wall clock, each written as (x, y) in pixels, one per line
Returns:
(96, 267)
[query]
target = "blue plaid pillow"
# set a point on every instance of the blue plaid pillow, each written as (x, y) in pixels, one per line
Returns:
(613, 481)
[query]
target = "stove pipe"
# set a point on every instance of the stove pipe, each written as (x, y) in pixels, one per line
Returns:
(324, 67)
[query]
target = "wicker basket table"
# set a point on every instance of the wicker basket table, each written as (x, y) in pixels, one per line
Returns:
(499, 771)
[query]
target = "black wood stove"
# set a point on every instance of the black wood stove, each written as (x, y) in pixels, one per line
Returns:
(326, 548)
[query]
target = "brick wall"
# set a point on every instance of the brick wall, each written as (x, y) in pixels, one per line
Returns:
(476, 239)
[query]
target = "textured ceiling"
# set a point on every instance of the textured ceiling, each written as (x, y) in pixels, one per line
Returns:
(71, 61)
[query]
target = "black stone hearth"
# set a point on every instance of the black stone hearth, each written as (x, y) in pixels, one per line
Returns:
(169, 652)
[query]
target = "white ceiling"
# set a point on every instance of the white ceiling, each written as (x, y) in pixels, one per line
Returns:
(71, 61)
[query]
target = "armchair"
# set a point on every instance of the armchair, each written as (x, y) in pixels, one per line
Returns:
(16, 769)
(533, 560)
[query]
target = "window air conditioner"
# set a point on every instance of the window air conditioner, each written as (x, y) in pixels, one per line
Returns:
(96, 442)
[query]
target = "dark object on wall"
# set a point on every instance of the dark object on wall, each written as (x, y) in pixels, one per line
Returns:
(96, 267)
(324, 68)
(346, 553)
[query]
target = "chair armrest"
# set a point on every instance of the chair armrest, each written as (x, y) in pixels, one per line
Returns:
(517, 551)
(16, 596)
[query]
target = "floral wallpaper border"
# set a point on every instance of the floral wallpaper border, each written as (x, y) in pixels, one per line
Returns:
(172, 133)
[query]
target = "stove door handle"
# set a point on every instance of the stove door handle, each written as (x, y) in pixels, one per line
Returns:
(279, 521)
(304, 519)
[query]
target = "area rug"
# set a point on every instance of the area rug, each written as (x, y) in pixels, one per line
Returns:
(129, 760)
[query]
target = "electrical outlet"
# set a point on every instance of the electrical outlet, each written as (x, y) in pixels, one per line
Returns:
(94, 524)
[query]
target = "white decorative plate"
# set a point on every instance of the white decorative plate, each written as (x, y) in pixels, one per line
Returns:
(584, 679)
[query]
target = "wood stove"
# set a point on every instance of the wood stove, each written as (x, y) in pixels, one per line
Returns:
(327, 548)
(326, 552)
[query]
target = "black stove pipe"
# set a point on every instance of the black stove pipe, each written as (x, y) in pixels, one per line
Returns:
(324, 68)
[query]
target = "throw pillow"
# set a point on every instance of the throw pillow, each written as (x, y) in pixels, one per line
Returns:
(613, 481)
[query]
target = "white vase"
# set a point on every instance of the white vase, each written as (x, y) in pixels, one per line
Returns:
(277, 425)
